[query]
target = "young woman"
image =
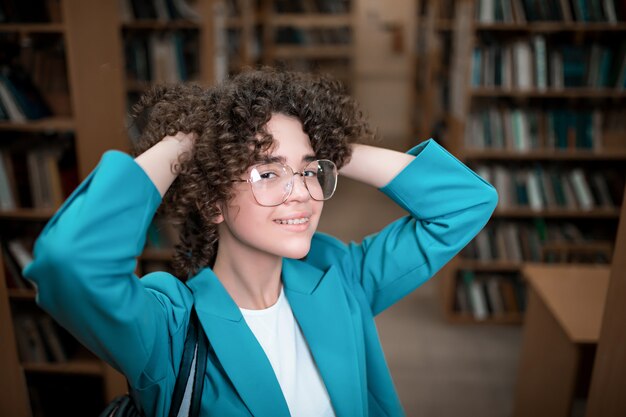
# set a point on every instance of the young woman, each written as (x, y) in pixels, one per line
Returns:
(289, 312)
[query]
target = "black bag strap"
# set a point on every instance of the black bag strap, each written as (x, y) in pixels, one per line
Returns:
(196, 347)
(203, 348)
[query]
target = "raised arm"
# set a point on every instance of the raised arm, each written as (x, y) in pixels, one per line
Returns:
(375, 166)
(84, 262)
(163, 155)
(448, 204)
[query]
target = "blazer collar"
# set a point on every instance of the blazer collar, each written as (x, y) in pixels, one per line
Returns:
(212, 298)
(317, 299)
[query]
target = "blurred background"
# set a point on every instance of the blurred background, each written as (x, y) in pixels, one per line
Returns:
(529, 94)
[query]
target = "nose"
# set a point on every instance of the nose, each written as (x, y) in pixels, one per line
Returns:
(299, 191)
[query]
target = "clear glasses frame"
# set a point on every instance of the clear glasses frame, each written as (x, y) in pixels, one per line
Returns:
(282, 190)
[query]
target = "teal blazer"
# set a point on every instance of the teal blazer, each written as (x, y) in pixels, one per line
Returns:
(85, 257)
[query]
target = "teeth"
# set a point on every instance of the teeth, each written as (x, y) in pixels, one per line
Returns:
(293, 221)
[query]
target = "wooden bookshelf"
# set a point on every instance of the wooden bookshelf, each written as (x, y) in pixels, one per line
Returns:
(238, 25)
(48, 124)
(91, 367)
(160, 25)
(28, 28)
(27, 214)
(446, 59)
(604, 93)
(93, 119)
(558, 213)
(551, 27)
(540, 155)
(322, 41)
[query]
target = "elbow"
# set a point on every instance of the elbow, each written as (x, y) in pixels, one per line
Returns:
(50, 269)
(491, 201)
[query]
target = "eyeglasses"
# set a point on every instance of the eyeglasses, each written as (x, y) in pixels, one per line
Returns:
(272, 183)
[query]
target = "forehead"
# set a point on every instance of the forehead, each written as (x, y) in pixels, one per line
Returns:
(292, 143)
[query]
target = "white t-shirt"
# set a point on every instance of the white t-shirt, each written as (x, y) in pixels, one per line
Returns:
(281, 338)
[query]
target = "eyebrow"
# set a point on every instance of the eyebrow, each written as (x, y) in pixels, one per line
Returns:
(271, 159)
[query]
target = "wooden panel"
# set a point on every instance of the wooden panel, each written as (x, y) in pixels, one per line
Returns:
(548, 366)
(574, 294)
(207, 41)
(606, 397)
(96, 78)
(13, 398)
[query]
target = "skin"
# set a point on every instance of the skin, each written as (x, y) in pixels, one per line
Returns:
(249, 231)
(252, 245)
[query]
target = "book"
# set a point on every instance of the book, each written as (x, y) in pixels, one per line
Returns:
(541, 62)
(28, 98)
(20, 253)
(494, 295)
(581, 189)
(8, 192)
(478, 302)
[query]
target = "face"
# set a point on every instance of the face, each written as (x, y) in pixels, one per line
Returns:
(246, 226)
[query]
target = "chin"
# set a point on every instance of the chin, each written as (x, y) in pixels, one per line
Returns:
(295, 251)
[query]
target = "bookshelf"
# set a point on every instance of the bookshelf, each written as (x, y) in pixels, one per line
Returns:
(310, 36)
(163, 46)
(238, 28)
(192, 45)
(64, 49)
(530, 95)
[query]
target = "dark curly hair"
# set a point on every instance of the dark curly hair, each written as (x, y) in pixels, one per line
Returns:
(230, 121)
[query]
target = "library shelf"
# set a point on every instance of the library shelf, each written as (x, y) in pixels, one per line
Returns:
(550, 155)
(314, 51)
(72, 367)
(48, 124)
(27, 214)
(21, 294)
(523, 212)
(305, 21)
(549, 27)
(160, 25)
(570, 92)
(27, 28)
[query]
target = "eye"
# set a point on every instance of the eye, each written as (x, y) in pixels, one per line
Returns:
(310, 173)
(268, 175)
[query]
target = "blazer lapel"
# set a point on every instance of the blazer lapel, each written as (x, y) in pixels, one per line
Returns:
(320, 306)
(235, 345)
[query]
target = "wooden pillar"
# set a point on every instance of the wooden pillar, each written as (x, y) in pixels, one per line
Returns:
(606, 396)
(96, 73)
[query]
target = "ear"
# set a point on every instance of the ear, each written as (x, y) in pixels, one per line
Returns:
(220, 217)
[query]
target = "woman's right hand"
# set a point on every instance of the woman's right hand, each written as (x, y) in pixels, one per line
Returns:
(165, 154)
(185, 140)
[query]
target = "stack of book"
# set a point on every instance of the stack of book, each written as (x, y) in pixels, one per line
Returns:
(538, 241)
(38, 177)
(168, 57)
(20, 100)
(164, 10)
(484, 295)
(522, 11)
(524, 129)
(540, 188)
(534, 64)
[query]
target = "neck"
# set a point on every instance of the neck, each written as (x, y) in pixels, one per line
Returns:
(251, 278)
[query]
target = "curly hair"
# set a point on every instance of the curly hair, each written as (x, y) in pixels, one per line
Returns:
(230, 120)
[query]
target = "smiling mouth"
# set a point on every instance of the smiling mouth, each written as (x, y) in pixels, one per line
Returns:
(302, 220)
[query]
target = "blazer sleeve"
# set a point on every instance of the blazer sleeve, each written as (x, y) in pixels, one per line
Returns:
(448, 205)
(83, 268)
